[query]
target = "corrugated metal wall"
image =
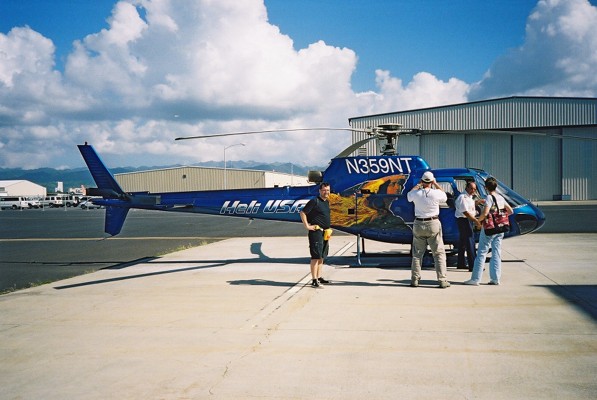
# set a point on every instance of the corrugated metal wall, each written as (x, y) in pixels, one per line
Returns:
(185, 179)
(443, 151)
(21, 188)
(539, 168)
(537, 164)
(492, 154)
(579, 168)
(273, 179)
(512, 113)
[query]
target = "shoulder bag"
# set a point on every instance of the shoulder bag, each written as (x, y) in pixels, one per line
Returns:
(497, 220)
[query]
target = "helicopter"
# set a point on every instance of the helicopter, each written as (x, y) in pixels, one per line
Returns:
(368, 193)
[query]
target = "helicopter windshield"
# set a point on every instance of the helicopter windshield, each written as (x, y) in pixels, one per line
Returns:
(514, 199)
(511, 197)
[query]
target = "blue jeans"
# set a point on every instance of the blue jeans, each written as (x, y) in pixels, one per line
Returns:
(495, 265)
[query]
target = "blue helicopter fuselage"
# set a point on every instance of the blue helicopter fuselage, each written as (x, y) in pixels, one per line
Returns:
(368, 198)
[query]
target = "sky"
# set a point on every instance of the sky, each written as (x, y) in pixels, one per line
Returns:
(130, 76)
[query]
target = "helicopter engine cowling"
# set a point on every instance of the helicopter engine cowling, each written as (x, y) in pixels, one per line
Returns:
(315, 176)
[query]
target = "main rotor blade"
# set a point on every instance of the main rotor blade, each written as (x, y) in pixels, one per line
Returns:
(353, 147)
(267, 131)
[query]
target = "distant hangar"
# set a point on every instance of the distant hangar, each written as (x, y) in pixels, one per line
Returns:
(192, 178)
(21, 188)
(541, 168)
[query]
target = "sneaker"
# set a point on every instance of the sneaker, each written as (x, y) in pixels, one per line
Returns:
(444, 284)
(414, 283)
(471, 282)
(325, 282)
(493, 283)
(316, 284)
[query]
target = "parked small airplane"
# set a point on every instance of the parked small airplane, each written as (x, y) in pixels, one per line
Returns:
(368, 194)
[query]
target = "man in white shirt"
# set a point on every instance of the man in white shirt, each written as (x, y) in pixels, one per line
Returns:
(427, 228)
(465, 217)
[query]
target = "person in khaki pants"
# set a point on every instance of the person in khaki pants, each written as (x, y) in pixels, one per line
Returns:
(427, 228)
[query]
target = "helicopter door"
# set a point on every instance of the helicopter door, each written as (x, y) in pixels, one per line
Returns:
(362, 212)
(380, 208)
(447, 209)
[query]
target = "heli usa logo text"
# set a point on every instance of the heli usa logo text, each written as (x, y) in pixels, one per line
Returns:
(271, 207)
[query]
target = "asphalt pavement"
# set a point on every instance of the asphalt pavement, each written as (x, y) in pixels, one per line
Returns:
(236, 319)
(38, 246)
(43, 246)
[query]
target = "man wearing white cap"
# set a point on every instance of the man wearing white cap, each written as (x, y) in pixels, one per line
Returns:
(427, 228)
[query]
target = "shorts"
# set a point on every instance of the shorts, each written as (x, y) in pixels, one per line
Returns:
(317, 246)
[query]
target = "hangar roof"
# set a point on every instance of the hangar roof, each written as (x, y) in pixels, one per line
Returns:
(508, 112)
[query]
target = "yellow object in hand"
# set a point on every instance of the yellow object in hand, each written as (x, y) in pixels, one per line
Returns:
(327, 234)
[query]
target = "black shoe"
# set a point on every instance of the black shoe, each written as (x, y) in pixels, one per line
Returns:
(321, 280)
(316, 284)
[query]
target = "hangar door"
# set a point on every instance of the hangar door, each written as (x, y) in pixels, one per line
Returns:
(443, 151)
(579, 164)
(491, 153)
(536, 167)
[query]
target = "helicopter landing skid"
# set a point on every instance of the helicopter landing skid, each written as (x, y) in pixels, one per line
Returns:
(400, 258)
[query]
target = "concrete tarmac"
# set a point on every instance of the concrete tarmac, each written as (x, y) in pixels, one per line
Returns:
(235, 319)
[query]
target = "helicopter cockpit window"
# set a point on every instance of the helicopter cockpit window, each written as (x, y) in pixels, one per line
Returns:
(461, 183)
(447, 187)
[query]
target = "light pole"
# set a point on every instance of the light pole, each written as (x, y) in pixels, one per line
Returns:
(227, 147)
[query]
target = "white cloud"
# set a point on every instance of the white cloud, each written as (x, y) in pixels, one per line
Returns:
(24, 52)
(28, 83)
(169, 68)
(424, 90)
(558, 57)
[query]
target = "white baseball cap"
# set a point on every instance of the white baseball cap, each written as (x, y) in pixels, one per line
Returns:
(428, 177)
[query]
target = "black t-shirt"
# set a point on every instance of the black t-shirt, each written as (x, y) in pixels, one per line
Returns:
(318, 212)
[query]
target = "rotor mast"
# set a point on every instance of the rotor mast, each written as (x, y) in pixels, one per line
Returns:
(390, 132)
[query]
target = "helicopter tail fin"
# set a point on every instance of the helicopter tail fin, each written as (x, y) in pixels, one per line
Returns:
(107, 188)
(115, 217)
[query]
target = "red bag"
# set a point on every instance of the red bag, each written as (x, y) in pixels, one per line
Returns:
(497, 220)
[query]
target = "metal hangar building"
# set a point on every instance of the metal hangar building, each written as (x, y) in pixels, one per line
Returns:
(558, 166)
(21, 188)
(191, 178)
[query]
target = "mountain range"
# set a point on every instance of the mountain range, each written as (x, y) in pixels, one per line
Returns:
(71, 178)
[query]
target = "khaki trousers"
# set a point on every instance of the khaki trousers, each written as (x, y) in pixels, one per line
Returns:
(428, 233)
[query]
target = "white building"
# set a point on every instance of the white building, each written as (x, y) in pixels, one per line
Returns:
(21, 188)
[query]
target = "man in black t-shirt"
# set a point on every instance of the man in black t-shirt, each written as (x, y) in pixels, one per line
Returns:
(316, 218)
